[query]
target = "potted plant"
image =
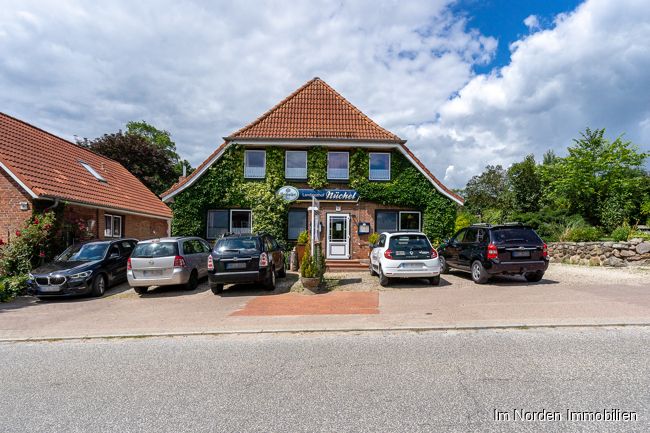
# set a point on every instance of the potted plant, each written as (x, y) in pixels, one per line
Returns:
(312, 270)
(303, 239)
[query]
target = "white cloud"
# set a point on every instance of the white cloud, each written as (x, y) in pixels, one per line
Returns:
(532, 22)
(589, 70)
(203, 69)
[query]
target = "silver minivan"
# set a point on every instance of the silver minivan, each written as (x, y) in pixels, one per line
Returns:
(168, 261)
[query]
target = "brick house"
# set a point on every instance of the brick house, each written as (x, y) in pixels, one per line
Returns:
(356, 199)
(96, 197)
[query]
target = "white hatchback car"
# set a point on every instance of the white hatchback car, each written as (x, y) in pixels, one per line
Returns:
(404, 255)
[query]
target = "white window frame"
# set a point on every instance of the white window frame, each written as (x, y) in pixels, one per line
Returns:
(92, 171)
(399, 220)
(347, 177)
(370, 169)
(286, 174)
(109, 232)
(246, 152)
(207, 228)
(250, 218)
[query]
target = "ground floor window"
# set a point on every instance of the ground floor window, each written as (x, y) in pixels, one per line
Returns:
(228, 221)
(113, 226)
(297, 223)
(390, 221)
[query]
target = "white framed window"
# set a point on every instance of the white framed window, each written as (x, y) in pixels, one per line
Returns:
(338, 165)
(254, 164)
(112, 226)
(222, 221)
(241, 221)
(379, 166)
(218, 223)
(295, 164)
(409, 221)
(92, 171)
(386, 221)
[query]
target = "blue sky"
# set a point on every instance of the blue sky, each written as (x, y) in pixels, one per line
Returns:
(504, 19)
(467, 83)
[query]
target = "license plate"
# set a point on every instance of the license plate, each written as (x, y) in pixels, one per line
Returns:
(235, 265)
(49, 288)
(155, 273)
(521, 254)
(412, 265)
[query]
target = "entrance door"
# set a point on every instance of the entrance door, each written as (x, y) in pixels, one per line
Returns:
(338, 236)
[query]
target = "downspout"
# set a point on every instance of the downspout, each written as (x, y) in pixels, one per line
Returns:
(56, 203)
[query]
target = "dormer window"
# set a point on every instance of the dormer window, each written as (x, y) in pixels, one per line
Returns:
(92, 171)
(255, 164)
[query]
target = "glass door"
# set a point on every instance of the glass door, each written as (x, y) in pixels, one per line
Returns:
(338, 236)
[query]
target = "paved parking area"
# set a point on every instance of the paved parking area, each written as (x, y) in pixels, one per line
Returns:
(569, 295)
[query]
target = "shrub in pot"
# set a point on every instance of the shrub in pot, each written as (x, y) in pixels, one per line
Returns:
(301, 242)
(312, 269)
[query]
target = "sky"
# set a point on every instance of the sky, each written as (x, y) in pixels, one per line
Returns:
(468, 83)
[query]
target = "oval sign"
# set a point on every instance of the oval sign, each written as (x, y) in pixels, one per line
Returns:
(288, 193)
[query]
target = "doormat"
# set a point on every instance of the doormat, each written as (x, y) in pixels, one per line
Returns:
(294, 304)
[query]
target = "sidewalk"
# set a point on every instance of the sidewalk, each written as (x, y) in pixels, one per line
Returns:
(568, 296)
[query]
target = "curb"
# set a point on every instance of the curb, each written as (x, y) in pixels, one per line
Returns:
(521, 327)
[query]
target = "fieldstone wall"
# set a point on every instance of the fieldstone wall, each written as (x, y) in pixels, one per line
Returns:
(635, 252)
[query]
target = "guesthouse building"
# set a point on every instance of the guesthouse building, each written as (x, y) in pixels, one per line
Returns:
(314, 163)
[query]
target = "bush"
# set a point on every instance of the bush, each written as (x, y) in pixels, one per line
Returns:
(313, 266)
(581, 233)
(27, 246)
(639, 234)
(373, 238)
(463, 219)
(10, 287)
(621, 233)
(303, 238)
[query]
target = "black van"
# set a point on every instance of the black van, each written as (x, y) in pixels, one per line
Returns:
(486, 250)
(245, 258)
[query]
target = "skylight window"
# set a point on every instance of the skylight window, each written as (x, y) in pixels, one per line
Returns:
(92, 171)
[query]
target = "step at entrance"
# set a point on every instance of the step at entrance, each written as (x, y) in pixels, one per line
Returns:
(346, 265)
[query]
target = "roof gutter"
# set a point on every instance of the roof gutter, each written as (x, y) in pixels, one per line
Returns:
(112, 209)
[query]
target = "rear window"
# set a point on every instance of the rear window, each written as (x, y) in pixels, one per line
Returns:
(514, 236)
(238, 244)
(155, 249)
(409, 242)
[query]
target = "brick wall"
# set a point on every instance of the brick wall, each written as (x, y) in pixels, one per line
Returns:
(11, 217)
(359, 212)
(133, 226)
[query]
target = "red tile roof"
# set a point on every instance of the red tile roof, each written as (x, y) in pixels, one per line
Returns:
(50, 167)
(313, 112)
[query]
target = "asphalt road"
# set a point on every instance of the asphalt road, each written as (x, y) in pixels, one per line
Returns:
(389, 382)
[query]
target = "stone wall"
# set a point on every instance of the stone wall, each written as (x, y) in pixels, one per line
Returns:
(635, 252)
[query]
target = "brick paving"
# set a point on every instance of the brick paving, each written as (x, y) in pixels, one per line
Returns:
(294, 304)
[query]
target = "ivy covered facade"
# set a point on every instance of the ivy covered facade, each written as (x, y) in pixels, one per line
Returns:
(316, 144)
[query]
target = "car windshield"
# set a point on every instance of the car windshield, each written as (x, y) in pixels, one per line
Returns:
(515, 235)
(155, 249)
(83, 253)
(409, 243)
(237, 244)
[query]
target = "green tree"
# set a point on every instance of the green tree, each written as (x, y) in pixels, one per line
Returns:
(161, 139)
(146, 161)
(489, 190)
(601, 180)
(525, 184)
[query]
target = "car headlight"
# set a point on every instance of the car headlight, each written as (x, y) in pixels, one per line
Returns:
(81, 275)
(30, 276)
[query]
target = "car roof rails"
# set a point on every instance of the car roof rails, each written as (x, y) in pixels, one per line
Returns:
(514, 223)
(481, 225)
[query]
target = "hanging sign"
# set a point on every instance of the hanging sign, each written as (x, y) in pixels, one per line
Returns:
(288, 193)
(328, 194)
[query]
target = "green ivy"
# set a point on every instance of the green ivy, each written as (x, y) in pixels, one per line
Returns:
(223, 187)
(317, 167)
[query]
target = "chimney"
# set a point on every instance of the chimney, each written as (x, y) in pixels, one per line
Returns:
(184, 173)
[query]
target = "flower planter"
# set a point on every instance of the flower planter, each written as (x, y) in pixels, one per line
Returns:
(300, 251)
(310, 284)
